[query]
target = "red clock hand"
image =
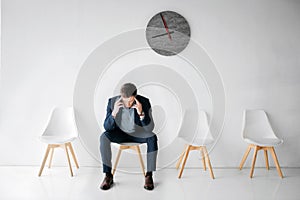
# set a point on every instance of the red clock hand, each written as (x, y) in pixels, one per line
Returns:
(165, 25)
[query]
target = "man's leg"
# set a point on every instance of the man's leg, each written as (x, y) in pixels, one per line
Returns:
(105, 148)
(151, 139)
(151, 153)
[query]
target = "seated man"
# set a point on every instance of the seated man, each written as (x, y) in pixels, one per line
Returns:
(128, 119)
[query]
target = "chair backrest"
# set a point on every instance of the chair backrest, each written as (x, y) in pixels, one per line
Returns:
(195, 126)
(61, 123)
(256, 125)
(188, 124)
(203, 130)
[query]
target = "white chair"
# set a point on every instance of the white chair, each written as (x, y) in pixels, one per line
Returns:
(61, 130)
(202, 138)
(133, 146)
(258, 133)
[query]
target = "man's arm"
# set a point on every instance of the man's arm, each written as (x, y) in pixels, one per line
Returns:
(109, 122)
(147, 121)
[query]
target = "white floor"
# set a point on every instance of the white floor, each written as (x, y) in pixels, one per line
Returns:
(56, 183)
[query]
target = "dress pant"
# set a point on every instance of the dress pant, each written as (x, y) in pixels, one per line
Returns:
(118, 136)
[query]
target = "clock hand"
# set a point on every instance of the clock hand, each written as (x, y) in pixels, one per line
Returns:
(165, 25)
(171, 32)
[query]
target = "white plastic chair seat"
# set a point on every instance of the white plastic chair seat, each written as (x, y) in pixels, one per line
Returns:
(49, 139)
(202, 142)
(196, 136)
(131, 143)
(60, 131)
(257, 129)
(264, 142)
(198, 141)
(259, 134)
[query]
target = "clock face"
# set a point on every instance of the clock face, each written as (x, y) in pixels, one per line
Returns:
(168, 33)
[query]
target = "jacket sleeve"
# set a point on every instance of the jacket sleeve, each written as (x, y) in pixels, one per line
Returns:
(147, 122)
(109, 122)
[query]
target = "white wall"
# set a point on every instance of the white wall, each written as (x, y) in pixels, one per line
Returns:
(255, 46)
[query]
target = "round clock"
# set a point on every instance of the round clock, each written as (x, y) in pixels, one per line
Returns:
(168, 33)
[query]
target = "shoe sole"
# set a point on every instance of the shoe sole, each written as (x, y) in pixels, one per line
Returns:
(148, 188)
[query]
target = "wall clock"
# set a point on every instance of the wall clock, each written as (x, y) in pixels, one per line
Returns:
(168, 33)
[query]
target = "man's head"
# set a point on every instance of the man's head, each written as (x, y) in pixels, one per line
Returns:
(128, 92)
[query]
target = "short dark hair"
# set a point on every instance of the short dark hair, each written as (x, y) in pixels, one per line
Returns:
(128, 90)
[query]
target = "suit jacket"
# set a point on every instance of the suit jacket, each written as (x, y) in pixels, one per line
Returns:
(141, 125)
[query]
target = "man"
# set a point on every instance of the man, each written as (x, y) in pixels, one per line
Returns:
(128, 119)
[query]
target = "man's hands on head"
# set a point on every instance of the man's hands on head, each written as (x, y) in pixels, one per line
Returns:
(118, 104)
(138, 107)
(129, 102)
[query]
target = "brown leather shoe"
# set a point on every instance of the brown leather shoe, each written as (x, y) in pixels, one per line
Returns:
(148, 183)
(107, 182)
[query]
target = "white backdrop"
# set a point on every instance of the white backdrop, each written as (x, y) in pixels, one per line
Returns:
(255, 46)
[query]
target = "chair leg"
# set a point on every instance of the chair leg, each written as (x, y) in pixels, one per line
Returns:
(266, 158)
(51, 156)
(208, 162)
(68, 157)
(44, 160)
(117, 161)
(73, 154)
(245, 157)
(141, 159)
(184, 160)
(253, 161)
(203, 158)
(180, 159)
(276, 161)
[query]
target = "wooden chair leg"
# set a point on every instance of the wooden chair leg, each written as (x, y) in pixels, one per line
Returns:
(180, 159)
(266, 158)
(68, 157)
(44, 160)
(184, 160)
(253, 161)
(208, 162)
(51, 156)
(276, 161)
(245, 156)
(73, 154)
(203, 158)
(117, 161)
(141, 159)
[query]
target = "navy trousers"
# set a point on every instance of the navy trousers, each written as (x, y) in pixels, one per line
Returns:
(118, 136)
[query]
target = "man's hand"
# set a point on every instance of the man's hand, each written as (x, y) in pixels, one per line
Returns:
(118, 104)
(138, 107)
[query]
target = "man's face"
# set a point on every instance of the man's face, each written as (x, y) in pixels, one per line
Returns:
(128, 101)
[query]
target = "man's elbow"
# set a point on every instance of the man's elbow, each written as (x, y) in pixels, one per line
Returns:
(108, 127)
(149, 127)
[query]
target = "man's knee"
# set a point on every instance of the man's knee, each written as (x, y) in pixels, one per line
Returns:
(103, 137)
(152, 141)
(153, 138)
